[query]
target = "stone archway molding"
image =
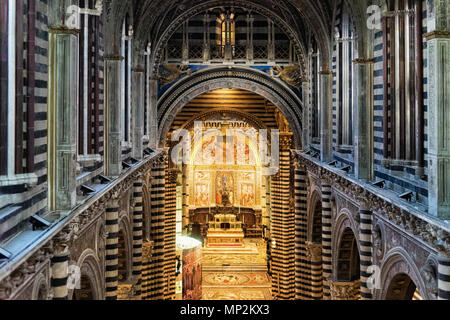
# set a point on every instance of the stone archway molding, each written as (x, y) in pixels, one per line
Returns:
(344, 220)
(173, 101)
(398, 261)
(204, 6)
(89, 265)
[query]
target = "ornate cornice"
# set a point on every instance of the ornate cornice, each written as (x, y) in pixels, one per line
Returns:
(429, 232)
(73, 228)
(438, 34)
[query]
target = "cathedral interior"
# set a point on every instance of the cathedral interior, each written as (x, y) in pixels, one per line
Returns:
(224, 150)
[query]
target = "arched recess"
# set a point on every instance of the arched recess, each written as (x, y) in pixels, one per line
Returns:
(91, 283)
(40, 288)
(125, 248)
(314, 245)
(401, 288)
(173, 101)
(346, 284)
(122, 257)
(348, 261)
(315, 219)
(319, 29)
(344, 237)
(146, 209)
(399, 276)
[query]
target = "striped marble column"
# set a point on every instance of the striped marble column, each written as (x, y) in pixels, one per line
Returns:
(170, 233)
(155, 289)
(60, 273)
(326, 239)
(283, 273)
(301, 265)
(444, 278)
(365, 244)
(137, 236)
(112, 241)
(314, 252)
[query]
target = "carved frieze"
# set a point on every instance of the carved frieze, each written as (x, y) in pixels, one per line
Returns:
(344, 290)
(74, 229)
(430, 233)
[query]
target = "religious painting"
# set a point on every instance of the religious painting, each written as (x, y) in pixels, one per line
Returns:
(201, 188)
(247, 195)
(202, 195)
(208, 152)
(247, 189)
(242, 151)
(224, 189)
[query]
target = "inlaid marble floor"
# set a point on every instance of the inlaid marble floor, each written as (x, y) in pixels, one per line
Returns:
(236, 274)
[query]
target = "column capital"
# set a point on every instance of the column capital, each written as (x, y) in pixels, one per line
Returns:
(147, 249)
(125, 292)
(63, 30)
(364, 61)
(344, 290)
(113, 57)
(437, 34)
(138, 69)
(286, 140)
(314, 251)
(326, 73)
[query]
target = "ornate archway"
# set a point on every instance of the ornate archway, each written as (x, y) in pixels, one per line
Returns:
(173, 101)
(305, 11)
(91, 283)
(399, 276)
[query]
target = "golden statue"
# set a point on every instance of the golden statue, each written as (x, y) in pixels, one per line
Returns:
(289, 74)
(172, 72)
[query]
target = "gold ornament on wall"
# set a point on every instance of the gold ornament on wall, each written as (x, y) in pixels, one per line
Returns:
(289, 74)
(171, 72)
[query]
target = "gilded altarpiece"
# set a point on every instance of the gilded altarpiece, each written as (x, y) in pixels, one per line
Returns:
(225, 171)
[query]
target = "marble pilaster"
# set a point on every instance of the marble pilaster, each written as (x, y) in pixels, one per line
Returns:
(326, 114)
(113, 151)
(363, 111)
(438, 44)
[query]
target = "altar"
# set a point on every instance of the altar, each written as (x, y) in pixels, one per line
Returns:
(225, 231)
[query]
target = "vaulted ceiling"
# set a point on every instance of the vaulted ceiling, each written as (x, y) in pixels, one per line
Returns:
(154, 21)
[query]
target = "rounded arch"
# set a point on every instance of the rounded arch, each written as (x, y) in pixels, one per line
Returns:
(91, 276)
(292, 34)
(347, 259)
(344, 229)
(315, 218)
(173, 101)
(146, 210)
(40, 289)
(125, 248)
(399, 262)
